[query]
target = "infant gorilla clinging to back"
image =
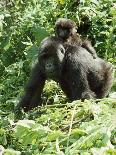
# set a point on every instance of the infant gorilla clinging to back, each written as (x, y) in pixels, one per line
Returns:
(65, 29)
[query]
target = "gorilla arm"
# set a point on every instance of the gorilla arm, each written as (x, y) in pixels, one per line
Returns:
(32, 96)
(87, 45)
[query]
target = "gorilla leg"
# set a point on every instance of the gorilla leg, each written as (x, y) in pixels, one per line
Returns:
(84, 90)
(75, 83)
(73, 91)
(33, 90)
(105, 87)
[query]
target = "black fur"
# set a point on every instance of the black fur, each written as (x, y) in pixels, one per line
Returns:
(86, 77)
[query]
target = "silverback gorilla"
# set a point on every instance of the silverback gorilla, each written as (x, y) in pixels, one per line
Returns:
(73, 67)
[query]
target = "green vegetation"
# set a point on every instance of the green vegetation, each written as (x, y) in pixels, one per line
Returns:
(77, 128)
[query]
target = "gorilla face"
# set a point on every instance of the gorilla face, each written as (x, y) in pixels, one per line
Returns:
(63, 33)
(51, 57)
(64, 28)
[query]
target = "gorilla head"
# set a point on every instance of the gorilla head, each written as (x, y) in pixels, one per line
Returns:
(64, 28)
(51, 57)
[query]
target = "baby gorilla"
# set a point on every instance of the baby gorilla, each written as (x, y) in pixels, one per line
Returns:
(50, 57)
(65, 30)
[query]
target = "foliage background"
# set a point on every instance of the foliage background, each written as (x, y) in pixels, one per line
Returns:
(23, 24)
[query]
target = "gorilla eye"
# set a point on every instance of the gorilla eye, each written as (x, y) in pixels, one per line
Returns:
(62, 51)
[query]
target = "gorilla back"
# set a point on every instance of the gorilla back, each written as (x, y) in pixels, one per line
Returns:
(87, 77)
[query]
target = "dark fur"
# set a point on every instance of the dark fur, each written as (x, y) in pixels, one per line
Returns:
(85, 77)
(50, 57)
(79, 75)
(65, 29)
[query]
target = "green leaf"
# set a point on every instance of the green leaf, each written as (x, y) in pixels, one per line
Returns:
(11, 152)
(54, 135)
(40, 33)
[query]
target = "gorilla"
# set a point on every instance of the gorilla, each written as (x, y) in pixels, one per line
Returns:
(66, 30)
(73, 67)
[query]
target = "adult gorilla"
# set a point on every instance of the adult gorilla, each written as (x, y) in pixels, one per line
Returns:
(73, 67)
